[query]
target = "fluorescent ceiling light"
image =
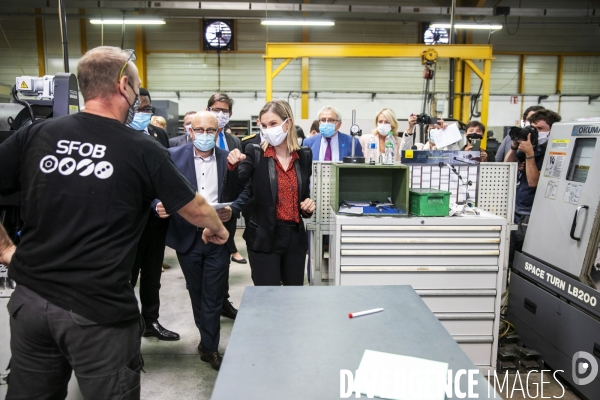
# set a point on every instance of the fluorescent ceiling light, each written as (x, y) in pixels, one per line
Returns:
(127, 21)
(297, 22)
(446, 25)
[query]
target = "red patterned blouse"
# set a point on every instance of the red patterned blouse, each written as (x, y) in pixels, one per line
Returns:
(287, 188)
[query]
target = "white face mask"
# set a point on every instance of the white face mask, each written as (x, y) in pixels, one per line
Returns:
(384, 129)
(543, 137)
(222, 118)
(275, 136)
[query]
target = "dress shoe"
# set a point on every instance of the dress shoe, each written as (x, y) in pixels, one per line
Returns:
(155, 329)
(214, 358)
(239, 260)
(228, 310)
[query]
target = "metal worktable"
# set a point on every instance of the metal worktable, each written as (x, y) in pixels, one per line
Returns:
(286, 345)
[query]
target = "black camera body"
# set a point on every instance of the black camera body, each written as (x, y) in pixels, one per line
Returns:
(425, 119)
(517, 133)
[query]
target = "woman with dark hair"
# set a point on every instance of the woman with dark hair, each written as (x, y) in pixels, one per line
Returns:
(280, 171)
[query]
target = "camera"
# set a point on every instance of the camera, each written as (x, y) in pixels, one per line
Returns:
(517, 133)
(425, 119)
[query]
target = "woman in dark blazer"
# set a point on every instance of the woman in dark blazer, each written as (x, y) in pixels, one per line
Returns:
(279, 171)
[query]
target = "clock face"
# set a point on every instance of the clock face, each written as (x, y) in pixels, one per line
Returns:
(435, 36)
(218, 35)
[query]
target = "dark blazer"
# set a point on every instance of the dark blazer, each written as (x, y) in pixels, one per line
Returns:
(160, 135)
(260, 170)
(344, 142)
(179, 140)
(181, 233)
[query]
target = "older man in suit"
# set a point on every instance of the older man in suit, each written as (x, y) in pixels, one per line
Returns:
(185, 138)
(331, 144)
(204, 265)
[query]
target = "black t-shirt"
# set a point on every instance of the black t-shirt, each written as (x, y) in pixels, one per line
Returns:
(87, 183)
(525, 194)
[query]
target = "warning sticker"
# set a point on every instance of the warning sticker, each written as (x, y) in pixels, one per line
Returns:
(408, 154)
(560, 144)
(551, 190)
(23, 85)
(73, 109)
(572, 193)
(554, 167)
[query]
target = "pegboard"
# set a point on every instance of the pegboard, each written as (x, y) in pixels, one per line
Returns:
(493, 186)
(497, 189)
(320, 190)
(442, 178)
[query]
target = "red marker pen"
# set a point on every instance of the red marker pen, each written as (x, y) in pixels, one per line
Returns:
(361, 313)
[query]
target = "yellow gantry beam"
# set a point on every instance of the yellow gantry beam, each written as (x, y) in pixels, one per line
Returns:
(304, 51)
(370, 50)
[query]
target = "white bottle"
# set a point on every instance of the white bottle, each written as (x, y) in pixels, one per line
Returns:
(372, 150)
(388, 157)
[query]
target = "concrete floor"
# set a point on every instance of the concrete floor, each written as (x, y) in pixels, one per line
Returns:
(174, 370)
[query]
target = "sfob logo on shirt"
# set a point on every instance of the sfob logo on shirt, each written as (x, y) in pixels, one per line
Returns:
(85, 167)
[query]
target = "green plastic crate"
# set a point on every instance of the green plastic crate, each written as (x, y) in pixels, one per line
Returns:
(429, 202)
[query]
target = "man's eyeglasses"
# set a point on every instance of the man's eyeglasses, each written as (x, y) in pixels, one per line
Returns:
(201, 131)
(329, 121)
(132, 57)
(147, 110)
(218, 110)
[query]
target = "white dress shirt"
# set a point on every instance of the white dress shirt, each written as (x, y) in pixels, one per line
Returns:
(207, 177)
(335, 148)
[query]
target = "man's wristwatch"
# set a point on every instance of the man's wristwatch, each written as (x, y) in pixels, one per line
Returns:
(514, 148)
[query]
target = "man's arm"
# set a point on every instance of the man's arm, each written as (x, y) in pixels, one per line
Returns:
(531, 169)
(198, 212)
(7, 248)
(511, 155)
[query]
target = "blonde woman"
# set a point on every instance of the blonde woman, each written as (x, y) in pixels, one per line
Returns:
(386, 121)
(159, 122)
(279, 170)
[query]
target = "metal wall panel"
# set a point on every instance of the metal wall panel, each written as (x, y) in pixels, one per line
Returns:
(540, 74)
(251, 35)
(176, 34)
(581, 75)
(199, 72)
(399, 75)
(505, 75)
(535, 34)
(22, 39)
(367, 32)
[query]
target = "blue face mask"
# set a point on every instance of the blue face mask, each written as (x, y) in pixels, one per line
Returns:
(140, 121)
(327, 130)
(204, 142)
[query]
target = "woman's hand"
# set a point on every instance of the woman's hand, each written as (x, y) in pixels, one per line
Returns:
(7, 248)
(235, 157)
(308, 206)
(412, 120)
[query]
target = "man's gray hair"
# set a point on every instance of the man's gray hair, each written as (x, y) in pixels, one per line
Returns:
(330, 108)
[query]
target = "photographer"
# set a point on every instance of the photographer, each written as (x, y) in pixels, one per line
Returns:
(528, 149)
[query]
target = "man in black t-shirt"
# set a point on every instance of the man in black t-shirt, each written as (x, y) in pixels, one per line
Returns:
(87, 181)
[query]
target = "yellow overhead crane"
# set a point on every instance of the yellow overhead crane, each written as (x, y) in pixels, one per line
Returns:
(464, 53)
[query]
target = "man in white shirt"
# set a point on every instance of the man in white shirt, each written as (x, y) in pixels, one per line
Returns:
(204, 265)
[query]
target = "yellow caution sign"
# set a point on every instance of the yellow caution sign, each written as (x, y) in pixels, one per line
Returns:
(24, 85)
(408, 154)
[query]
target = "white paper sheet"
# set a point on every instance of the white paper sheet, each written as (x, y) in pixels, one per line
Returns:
(393, 376)
(351, 210)
(218, 206)
(445, 137)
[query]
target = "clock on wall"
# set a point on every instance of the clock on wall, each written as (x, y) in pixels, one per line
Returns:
(218, 34)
